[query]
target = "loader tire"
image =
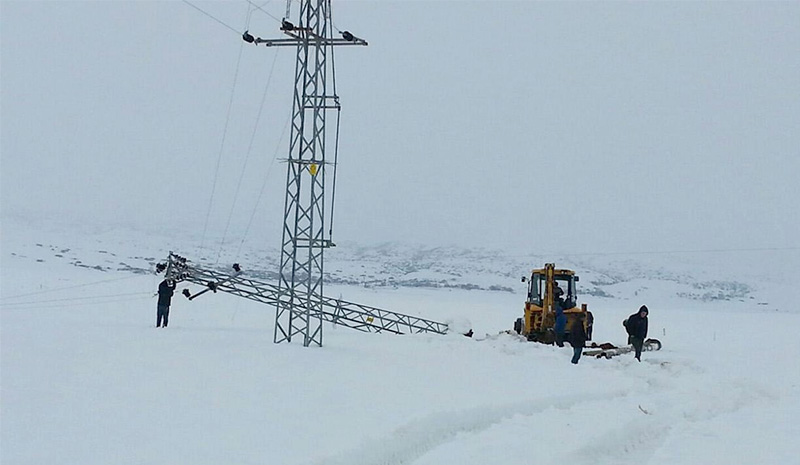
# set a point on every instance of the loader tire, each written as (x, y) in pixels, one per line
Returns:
(652, 344)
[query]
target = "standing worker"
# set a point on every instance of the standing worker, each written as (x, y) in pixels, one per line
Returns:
(577, 338)
(589, 325)
(636, 325)
(557, 291)
(561, 319)
(165, 291)
(560, 326)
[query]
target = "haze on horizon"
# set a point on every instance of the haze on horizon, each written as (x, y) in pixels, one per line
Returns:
(579, 126)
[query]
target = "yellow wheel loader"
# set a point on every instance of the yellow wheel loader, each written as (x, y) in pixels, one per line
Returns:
(550, 291)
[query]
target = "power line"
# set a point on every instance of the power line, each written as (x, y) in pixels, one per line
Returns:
(248, 153)
(222, 144)
(210, 16)
(34, 302)
(261, 9)
(264, 183)
(34, 306)
(68, 287)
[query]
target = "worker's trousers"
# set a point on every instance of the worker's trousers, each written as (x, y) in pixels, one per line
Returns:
(637, 343)
(576, 354)
(163, 313)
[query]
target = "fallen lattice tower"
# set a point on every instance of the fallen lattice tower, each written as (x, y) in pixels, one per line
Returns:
(336, 311)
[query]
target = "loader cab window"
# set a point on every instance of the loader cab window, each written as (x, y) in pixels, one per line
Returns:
(536, 288)
(567, 285)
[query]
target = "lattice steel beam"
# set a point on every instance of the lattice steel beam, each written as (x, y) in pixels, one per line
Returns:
(337, 311)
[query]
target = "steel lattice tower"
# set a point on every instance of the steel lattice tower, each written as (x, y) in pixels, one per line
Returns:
(300, 311)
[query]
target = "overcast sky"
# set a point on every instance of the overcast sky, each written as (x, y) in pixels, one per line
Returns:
(545, 126)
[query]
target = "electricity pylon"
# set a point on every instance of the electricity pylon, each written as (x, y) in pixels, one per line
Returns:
(299, 311)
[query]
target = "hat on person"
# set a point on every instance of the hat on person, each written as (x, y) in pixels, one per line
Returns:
(643, 308)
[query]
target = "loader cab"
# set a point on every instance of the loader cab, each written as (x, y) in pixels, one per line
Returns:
(537, 287)
(551, 291)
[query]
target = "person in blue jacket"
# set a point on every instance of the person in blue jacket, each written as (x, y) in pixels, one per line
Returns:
(561, 319)
(561, 325)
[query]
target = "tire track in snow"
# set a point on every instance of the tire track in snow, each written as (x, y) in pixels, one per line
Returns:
(671, 408)
(634, 441)
(418, 437)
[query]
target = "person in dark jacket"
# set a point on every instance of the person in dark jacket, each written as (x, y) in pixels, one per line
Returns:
(589, 325)
(636, 325)
(560, 325)
(558, 293)
(165, 291)
(577, 338)
(561, 319)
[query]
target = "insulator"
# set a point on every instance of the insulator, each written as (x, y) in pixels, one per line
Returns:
(347, 36)
(237, 268)
(248, 38)
(187, 293)
(287, 26)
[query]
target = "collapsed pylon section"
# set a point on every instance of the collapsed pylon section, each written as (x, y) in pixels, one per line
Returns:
(336, 311)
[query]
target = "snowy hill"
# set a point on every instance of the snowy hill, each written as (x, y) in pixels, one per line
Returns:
(680, 276)
(87, 379)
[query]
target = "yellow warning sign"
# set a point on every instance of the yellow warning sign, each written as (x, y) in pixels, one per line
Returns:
(312, 168)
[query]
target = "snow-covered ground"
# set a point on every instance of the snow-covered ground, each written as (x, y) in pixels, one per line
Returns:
(87, 379)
